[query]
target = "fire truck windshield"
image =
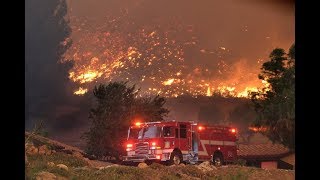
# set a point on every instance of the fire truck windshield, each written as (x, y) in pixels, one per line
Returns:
(134, 132)
(149, 132)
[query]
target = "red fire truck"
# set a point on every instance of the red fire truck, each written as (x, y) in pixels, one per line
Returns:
(177, 142)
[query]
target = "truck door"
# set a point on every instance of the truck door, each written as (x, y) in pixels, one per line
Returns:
(185, 137)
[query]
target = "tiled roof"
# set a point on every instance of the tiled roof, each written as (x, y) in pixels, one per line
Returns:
(267, 150)
(289, 159)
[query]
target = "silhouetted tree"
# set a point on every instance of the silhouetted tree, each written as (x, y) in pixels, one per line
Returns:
(117, 105)
(150, 109)
(276, 105)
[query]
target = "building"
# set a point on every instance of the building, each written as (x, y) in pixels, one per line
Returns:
(267, 156)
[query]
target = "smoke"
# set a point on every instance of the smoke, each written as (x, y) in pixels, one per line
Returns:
(47, 86)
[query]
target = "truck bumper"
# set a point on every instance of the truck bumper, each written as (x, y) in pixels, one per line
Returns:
(142, 158)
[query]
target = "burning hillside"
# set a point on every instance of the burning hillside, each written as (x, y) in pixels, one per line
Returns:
(164, 56)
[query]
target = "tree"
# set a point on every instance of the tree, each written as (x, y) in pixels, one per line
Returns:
(117, 106)
(150, 109)
(275, 105)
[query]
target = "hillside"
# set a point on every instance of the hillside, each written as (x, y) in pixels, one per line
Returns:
(49, 159)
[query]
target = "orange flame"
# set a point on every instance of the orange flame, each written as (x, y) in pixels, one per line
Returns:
(258, 129)
(168, 82)
(80, 91)
(208, 91)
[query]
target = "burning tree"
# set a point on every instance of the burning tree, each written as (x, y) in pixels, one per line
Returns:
(276, 105)
(117, 106)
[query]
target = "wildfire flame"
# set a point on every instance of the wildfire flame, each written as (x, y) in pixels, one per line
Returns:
(154, 58)
(258, 129)
(81, 91)
(208, 92)
(168, 82)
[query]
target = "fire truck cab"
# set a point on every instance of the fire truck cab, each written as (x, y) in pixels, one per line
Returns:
(177, 142)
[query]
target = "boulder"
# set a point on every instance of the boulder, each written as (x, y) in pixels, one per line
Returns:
(44, 150)
(142, 165)
(62, 166)
(77, 154)
(31, 149)
(45, 176)
(206, 166)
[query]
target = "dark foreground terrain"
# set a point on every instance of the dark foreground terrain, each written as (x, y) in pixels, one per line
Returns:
(48, 159)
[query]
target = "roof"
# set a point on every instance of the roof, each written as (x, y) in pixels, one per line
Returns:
(290, 159)
(262, 151)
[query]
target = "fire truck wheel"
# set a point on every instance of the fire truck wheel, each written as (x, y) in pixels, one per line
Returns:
(217, 159)
(175, 158)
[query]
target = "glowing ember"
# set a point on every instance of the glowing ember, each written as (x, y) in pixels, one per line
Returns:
(80, 91)
(247, 91)
(168, 82)
(208, 92)
(258, 129)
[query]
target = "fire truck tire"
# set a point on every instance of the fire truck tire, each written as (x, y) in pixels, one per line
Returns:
(217, 159)
(175, 158)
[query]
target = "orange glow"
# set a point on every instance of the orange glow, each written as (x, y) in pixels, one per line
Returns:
(208, 91)
(200, 128)
(168, 82)
(153, 143)
(80, 91)
(138, 123)
(258, 129)
(158, 156)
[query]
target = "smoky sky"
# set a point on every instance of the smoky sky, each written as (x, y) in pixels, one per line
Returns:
(48, 92)
(250, 28)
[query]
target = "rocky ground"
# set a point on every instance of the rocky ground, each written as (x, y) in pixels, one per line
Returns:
(48, 159)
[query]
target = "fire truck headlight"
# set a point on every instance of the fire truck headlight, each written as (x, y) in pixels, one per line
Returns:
(129, 147)
(158, 156)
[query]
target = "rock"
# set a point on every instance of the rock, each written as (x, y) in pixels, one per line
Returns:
(45, 176)
(77, 154)
(51, 164)
(142, 165)
(206, 166)
(62, 166)
(44, 150)
(31, 149)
